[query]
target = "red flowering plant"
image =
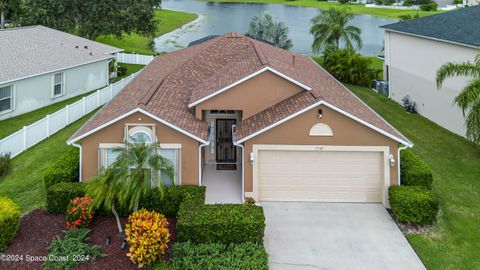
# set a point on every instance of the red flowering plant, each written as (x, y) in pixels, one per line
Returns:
(79, 213)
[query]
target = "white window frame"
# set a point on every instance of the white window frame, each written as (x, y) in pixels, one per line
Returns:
(12, 98)
(103, 147)
(178, 171)
(62, 84)
(148, 130)
(102, 163)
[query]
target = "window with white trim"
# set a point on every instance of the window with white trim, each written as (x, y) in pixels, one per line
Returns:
(140, 134)
(140, 137)
(172, 154)
(58, 85)
(6, 98)
(108, 155)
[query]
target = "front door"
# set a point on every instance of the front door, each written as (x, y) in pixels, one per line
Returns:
(226, 151)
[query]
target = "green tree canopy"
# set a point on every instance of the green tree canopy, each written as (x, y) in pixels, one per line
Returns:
(267, 28)
(10, 11)
(92, 18)
(331, 27)
(469, 98)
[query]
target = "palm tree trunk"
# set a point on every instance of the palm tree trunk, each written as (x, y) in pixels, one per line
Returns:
(119, 224)
(2, 19)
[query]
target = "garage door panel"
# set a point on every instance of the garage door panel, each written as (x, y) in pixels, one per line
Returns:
(320, 176)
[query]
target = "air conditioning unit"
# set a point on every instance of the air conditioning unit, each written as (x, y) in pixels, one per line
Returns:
(381, 87)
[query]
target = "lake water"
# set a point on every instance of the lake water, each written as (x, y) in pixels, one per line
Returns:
(220, 18)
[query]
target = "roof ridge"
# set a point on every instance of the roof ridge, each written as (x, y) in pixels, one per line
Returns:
(261, 55)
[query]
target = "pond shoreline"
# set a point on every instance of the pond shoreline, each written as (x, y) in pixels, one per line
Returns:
(355, 8)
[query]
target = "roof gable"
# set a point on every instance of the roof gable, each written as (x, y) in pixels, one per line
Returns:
(248, 77)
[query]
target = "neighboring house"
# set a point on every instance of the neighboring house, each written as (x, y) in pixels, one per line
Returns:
(40, 66)
(416, 49)
(248, 119)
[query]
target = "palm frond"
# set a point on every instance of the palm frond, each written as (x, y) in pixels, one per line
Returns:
(450, 69)
(469, 96)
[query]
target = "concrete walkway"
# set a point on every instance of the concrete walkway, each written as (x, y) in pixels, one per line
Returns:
(335, 236)
(223, 186)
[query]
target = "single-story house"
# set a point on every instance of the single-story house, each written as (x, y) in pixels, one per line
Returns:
(248, 119)
(40, 66)
(416, 49)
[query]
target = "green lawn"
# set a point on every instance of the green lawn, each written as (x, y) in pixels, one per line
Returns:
(11, 125)
(455, 241)
(24, 184)
(356, 8)
(131, 68)
(168, 20)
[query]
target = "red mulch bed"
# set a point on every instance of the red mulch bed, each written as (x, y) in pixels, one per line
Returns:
(38, 229)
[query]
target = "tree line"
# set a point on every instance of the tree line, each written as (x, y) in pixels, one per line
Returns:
(87, 18)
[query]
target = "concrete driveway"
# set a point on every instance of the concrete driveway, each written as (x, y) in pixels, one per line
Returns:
(335, 236)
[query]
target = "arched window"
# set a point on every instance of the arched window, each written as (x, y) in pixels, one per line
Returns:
(320, 130)
(140, 135)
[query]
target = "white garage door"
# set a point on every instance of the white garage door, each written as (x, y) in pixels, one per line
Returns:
(320, 176)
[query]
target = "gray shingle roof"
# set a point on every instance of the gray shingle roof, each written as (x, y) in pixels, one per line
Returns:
(28, 51)
(460, 26)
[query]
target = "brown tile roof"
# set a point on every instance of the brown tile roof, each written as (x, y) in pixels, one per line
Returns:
(171, 82)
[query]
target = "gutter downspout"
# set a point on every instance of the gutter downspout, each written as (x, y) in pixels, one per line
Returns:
(80, 161)
(398, 156)
(200, 161)
(243, 161)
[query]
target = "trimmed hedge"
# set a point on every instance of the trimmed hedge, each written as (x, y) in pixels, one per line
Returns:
(172, 198)
(65, 169)
(413, 204)
(223, 223)
(213, 256)
(9, 222)
(59, 196)
(414, 171)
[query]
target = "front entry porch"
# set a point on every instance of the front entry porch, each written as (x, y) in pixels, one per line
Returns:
(223, 186)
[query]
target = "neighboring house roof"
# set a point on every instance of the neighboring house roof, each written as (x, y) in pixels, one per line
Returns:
(169, 84)
(34, 50)
(458, 26)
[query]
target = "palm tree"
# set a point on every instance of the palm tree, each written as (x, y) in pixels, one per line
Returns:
(469, 98)
(267, 28)
(137, 168)
(331, 27)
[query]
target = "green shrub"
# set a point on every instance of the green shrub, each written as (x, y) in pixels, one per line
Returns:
(121, 70)
(429, 7)
(223, 223)
(65, 169)
(5, 164)
(213, 256)
(413, 204)
(172, 198)
(9, 221)
(414, 171)
(348, 66)
(71, 250)
(408, 3)
(59, 196)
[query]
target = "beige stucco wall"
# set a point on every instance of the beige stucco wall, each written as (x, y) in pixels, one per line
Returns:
(346, 132)
(251, 96)
(413, 63)
(115, 134)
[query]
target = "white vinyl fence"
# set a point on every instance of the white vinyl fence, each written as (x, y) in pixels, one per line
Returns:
(28, 136)
(133, 58)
